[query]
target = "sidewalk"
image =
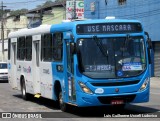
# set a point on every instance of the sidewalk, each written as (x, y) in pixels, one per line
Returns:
(155, 82)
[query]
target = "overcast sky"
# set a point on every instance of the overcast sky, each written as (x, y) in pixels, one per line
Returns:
(19, 4)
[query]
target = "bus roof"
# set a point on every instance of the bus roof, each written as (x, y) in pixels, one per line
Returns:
(32, 31)
(68, 26)
(65, 26)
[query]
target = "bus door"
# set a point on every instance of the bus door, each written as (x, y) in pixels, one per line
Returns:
(70, 72)
(36, 63)
(12, 66)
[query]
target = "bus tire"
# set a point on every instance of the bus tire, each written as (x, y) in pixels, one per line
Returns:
(23, 90)
(62, 105)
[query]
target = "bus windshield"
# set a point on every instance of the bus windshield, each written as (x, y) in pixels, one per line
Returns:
(111, 57)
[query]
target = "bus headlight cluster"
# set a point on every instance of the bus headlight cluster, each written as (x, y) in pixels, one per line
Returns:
(85, 88)
(144, 85)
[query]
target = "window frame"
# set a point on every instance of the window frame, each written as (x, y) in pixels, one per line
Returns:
(21, 48)
(28, 48)
(122, 2)
(52, 47)
(45, 46)
(58, 46)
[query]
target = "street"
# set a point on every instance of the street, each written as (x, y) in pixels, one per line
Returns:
(11, 101)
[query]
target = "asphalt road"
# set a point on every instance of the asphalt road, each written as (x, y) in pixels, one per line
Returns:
(11, 101)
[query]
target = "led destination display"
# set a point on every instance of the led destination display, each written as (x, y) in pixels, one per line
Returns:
(104, 28)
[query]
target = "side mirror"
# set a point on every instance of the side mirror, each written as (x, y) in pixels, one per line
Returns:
(148, 40)
(68, 36)
(149, 43)
(72, 48)
(149, 47)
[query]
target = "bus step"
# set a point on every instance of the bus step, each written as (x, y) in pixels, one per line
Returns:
(37, 95)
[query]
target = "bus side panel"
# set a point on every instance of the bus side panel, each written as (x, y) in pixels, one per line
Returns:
(46, 84)
(58, 75)
(24, 69)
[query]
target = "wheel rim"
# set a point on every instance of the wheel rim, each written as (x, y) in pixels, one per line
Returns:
(23, 90)
(61, 103)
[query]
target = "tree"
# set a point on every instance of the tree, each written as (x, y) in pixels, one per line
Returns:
(47, 3)
(59, 0)
(21, 11)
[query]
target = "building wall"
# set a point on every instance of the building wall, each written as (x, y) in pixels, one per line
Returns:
(11, 25)
(5, 50)
(147, 11)
(57, 15)
(14, 25)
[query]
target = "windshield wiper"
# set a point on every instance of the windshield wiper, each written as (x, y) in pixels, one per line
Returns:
(124, 47)
(101, 47)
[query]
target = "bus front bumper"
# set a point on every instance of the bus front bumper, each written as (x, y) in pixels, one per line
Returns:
(84, 100)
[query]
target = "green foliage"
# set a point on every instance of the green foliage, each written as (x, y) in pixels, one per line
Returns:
(47, 3)
(17, 12)
(59, 0)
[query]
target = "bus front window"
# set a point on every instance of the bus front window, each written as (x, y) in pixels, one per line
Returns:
(111, 57)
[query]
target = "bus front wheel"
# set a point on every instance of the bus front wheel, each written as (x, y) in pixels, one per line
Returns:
(62, 105)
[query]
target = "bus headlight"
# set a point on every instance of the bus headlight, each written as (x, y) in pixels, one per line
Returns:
(144, 85)
(85, 88)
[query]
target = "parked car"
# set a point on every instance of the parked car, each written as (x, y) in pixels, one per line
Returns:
(3, 72)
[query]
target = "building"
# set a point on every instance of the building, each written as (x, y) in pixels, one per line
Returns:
(147, 11)
(51, 14)
(11, 23)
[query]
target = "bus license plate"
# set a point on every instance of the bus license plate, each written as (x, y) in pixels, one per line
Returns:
(117, 102)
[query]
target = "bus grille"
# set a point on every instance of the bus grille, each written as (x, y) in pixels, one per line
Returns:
(108, 99)
(116, 83)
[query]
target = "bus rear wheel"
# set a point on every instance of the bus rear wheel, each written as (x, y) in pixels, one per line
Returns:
(25, 95)
(62, 105)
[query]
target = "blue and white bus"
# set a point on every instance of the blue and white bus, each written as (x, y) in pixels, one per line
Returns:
(82, 63)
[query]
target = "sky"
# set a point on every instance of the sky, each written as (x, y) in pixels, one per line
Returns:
(19, 4)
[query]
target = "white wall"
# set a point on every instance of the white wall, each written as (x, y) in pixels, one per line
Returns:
(5, 48)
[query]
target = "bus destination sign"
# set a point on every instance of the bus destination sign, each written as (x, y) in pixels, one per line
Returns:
(108, 28)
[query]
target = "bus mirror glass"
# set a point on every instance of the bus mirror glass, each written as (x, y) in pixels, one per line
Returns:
(72, 48)
(149, 56)
(72, 37)
(69, 36)
(149, 43)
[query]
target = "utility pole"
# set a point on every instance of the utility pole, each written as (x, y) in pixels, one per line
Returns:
(2, 30)
(41, 14)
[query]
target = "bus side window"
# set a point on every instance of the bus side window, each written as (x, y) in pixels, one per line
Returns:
(46, 49)
(21, 48)
(28, 49)
(57, 46)
(9, 45)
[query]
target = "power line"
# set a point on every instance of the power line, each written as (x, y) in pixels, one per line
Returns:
(31, 1)
(14, 5)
